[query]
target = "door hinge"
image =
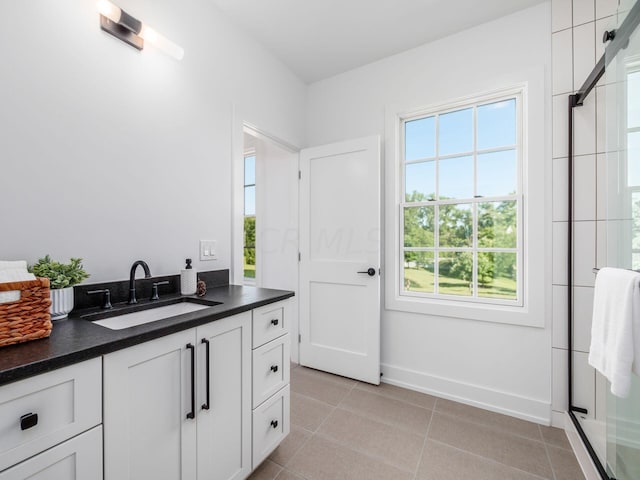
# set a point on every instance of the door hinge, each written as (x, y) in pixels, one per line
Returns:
(299, 174)
(299, 338)
(299, 256)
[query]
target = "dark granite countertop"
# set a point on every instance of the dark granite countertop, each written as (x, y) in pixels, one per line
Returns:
(74, 340)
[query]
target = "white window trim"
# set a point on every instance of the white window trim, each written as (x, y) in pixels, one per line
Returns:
(532, 207)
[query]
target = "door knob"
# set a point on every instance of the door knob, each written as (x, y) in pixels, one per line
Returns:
(370, 271)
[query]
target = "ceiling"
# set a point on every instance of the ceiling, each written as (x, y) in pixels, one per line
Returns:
(317, 39)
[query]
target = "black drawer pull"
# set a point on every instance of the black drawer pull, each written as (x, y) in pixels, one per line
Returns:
(275, 322)
(207, 404)
(274, 423)
(274, 368)
(192, 413)
(29, 420)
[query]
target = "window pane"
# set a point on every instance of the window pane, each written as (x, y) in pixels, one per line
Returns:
(497, 275)
(420, 181)
(633, 100)
(455, 273)
(418, 226)
(497, 124)
(418, 272)
(456, 225)
(497, 173)
(456, 178)
(249, 247)
(420, 136)
(456, 132)
(635, 222)
(497, 225)
(250, 170)
(249, 200)
(633, 159)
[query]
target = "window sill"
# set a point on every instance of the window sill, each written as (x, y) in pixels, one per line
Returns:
(512, 315)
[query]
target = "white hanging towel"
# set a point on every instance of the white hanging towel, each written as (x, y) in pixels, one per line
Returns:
(615, 331)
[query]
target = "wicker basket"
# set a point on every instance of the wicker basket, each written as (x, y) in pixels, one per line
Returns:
(28, 318)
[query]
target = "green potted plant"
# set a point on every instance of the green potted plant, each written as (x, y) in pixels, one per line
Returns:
(62, 277)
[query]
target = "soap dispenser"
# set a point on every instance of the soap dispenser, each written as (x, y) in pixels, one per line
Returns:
(188, 279)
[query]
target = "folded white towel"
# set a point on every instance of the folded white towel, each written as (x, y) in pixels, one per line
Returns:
(615, 331)
(13, 265)
(13, 275)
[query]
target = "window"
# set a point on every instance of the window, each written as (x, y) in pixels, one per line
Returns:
(250, 218)
(460, 202)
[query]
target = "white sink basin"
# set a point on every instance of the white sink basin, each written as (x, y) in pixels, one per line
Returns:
(127, 320)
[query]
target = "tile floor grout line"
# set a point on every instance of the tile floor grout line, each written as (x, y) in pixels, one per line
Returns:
(490, 460)
(424, 443)
(546, 451)
(362, 452)
(497, 461)
(501, 429)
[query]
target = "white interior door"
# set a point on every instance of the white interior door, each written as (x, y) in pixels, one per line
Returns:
(340, 258)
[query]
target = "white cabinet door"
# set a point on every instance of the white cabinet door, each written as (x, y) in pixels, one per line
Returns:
(224, 415)
(77, 459)
(147, 398)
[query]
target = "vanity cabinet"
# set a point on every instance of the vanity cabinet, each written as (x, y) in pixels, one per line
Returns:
(50, 425)
(178, 407)
(271, 376)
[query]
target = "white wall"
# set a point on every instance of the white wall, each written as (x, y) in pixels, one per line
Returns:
(113, 155)
(502, 367)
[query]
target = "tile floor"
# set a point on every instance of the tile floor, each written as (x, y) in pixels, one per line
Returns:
(342, 429)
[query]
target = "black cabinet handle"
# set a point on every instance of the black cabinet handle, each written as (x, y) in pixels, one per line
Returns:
(370, 271)
(275, 322)
(192, 413)
(29, 420)
(274, 368)
(205, 406)
(274, 423)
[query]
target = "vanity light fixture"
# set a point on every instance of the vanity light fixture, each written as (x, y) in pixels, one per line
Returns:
(130, 30)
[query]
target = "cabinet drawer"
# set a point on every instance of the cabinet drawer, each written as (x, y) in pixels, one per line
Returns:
(67, 401)
(270, 425)
(269, 322)
(77, 459)
(271, 366)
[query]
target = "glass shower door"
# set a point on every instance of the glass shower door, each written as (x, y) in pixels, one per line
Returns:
(623, 232)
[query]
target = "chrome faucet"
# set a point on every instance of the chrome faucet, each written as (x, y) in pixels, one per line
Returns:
(132, 279)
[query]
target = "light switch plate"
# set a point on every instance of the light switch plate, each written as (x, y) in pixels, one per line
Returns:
(207, 250)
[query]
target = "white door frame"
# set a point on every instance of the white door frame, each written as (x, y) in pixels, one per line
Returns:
(241, 125)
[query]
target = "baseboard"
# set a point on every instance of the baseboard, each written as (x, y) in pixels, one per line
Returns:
(557, 419)
(501, 402)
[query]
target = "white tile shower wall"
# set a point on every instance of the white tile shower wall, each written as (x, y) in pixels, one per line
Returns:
(584, 53)
(606, 8)
(560, 201)
(584, 253)
(582, 21)
(584, 188)
(584, 121)
(582, 314)
(584, 383)
(560, 316)
(583, 11)
(561, 15)
(562, 55)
